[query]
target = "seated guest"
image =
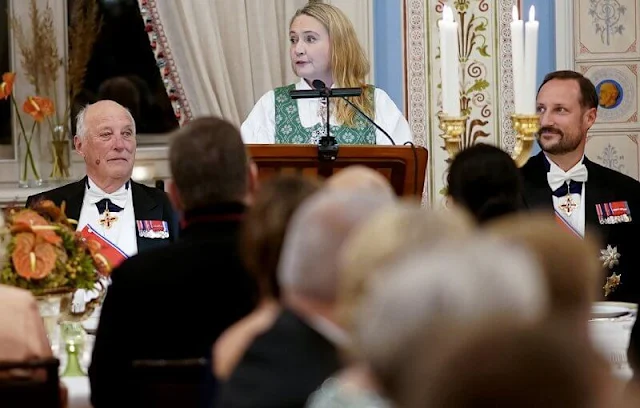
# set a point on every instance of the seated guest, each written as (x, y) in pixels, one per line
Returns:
(300, 350)
(22, 332)
(324, 47)
(589, 199)
(106, 198)
(484, 180)
(388, 235)
(503, 363)
(458, 280)
(360, 178)
(262, 237)
(570, 264)
(174, 302)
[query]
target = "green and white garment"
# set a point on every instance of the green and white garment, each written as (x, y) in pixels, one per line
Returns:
(289, 129)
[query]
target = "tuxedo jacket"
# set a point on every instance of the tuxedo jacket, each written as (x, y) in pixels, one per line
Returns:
(149, 203)
(603, 186)
(171, 303)
(281, 368)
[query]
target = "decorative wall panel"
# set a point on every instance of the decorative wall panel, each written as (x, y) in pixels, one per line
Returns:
(486, 78)
(606, 50)
(618, 151)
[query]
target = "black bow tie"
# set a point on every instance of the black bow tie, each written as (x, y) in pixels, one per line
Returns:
(106, 203)
(575, 187)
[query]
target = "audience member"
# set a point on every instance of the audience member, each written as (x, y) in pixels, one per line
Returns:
(461, 280)
(388, 235)
(262, 237)
(289, 361)
(174, 302)
(484, 180)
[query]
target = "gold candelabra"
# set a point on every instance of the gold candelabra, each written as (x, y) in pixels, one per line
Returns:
(453, 127)
(525, 126)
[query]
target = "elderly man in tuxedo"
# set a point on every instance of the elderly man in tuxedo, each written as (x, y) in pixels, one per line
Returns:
(586, 198)
(130, 215)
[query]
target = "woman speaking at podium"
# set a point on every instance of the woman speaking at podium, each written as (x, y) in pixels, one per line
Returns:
(324, 47)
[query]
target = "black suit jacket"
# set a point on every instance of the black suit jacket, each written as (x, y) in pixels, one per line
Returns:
(603, 186)
(281, 368)
(171, 303)
(149, 203)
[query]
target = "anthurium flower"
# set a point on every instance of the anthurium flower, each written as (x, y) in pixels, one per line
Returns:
(7, 84)
(38, 107)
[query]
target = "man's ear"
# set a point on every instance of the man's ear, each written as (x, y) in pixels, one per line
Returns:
(590, 117)
(77, 143)
(174, 196)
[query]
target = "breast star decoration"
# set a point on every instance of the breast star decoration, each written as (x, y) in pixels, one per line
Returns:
(610, 258)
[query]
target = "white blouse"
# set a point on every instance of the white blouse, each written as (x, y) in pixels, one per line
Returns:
(260, 125)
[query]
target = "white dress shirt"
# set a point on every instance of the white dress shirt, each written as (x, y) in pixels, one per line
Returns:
(260, 125)
(123, 231)
(577, 218)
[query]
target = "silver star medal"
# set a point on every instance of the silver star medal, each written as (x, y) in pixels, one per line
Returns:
(609, 257)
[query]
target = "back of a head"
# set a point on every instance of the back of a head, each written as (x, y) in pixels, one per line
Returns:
(360, 178)
(512, 366)
(570, 264)
(309, 260)
(122, 90)
(209, 163)
(461, 280)
(387, 235)
(485, 181)
(266, 223)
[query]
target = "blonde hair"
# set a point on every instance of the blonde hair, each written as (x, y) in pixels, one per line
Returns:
(388, 235)
(349, 64)
(570, 264)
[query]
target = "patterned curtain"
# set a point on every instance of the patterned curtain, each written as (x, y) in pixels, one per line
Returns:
(164, 59)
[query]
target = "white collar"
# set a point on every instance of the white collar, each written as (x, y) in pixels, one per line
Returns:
(304, 85)
(554, 168)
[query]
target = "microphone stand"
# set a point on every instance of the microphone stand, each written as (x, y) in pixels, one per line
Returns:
(327, 146)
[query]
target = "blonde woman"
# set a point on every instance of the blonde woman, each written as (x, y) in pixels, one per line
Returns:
(324, 47)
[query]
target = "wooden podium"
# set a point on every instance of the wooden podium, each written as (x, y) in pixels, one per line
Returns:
(404, 166)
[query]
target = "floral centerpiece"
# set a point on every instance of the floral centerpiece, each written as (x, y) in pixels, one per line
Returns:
(45, 255)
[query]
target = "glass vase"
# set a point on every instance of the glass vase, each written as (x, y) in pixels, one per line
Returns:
(49, 307)
(60, 159)
(28, 163)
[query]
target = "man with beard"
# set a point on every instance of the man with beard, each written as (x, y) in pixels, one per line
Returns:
(586, 198)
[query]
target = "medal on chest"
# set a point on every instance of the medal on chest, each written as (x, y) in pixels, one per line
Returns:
(107, 220)
(568, 204)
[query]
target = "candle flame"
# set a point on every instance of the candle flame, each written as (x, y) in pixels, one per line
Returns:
(514, 13)
(532, 13)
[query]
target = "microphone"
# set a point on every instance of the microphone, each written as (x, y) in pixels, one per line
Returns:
(321, 91)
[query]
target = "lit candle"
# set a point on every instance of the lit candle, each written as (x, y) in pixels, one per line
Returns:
(449, 63)
(517, 56)
(531, 54)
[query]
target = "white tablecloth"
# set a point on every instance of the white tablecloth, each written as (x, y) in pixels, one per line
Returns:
(78, 389)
